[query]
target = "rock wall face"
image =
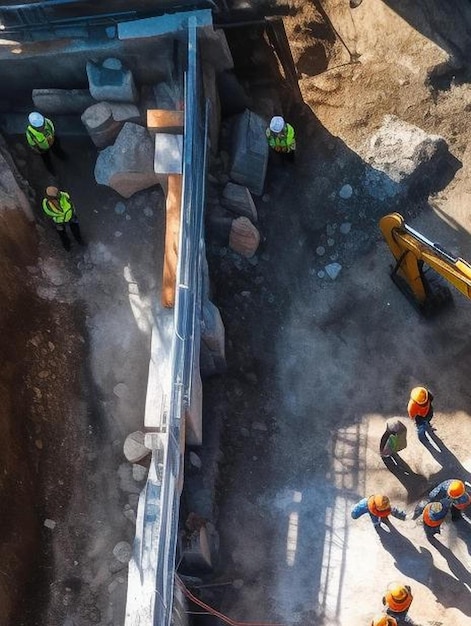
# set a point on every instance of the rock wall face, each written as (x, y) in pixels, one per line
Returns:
(18, 525)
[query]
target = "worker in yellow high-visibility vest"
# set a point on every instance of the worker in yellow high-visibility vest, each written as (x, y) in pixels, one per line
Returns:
(58, 206)
(281, 137)
(41, 138)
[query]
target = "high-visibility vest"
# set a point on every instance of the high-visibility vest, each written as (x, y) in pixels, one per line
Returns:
(418, 410)
(374, 511)
(60, 214)
(41, 140)
(284, 141)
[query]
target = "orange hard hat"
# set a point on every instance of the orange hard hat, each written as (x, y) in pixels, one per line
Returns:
(456, 489)
(419, 395)
(381, 502)
(52, 192)
(398, 597)
(383, 620)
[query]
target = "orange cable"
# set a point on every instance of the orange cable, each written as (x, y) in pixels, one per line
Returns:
(210, 609)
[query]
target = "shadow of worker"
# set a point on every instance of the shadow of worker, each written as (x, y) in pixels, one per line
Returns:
(462, 600)
(415, 484)
(449, 462)
(417, 563)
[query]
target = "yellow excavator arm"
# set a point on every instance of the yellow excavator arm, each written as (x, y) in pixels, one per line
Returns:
(411, 251)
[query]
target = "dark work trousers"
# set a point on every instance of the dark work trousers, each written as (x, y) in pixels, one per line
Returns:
(56, 150)
(74, 229)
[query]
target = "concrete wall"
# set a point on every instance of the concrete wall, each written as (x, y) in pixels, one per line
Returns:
(61, 63)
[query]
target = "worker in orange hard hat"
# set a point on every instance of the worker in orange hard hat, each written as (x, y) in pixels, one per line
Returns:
(397, 601)
(433, 516)
(379, 508)
(420, 410)
(455, 492)
(383, 619)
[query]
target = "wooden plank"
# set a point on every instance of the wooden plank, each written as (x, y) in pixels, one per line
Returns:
(172, 237)
(162, 121)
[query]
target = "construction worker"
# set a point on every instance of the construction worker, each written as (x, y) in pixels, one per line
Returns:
(455, 492)
(379, 508)
(281, 137)
(420, 410)
(393, 440)
(383, 619)
(397, 600)
(41, 137)
(433, 516)
(58, 206)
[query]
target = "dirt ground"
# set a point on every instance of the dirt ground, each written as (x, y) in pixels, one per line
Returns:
(316, 366)
(81, 361)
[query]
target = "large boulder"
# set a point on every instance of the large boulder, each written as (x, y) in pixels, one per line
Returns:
(62, 101)
(212, 356)
(403, 158)
(104, 120)
(244, 237)
(128, 165)
(111, 81)
(238, 200)
(249, 152)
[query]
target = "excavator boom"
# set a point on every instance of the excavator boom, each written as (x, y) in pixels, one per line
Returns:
(413, 252)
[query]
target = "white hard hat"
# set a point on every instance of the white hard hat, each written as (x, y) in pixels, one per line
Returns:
(277, 124)
(36, 119)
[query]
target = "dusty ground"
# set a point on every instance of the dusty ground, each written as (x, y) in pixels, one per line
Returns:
(83, 375)
(316, 366)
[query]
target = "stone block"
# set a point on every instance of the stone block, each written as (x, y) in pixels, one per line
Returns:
(134, 447)
(62, 101)
(129, 183)
(194, 412)
(164, 121)
(212, 349)
(215, 49)
(211, 93)
(196, 556)
(249, 152)
(168, 154)
(244, 237)
(238, 199)
(127, 165)
(110, 81)
(100, 124)
(402, 158)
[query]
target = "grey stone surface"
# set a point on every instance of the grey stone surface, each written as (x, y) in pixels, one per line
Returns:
(195, 460)
(346, 192)
(127, 165)
(401, 156)
(249, 152)
(111, 81)
(121, 390)
(139, 472)
(100, 125)
(61, 101)
(238, 200)
(49, 523)
(122, 551)
(212, 341)
(345, 228)
(168, 155)
(134, 448)
(333, 270)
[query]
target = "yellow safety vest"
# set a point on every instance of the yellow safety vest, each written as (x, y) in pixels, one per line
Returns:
(60, 214)
(282, 142)
(41, 140)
